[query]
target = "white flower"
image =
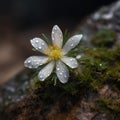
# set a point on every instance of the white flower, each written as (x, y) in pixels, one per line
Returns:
(55, 55)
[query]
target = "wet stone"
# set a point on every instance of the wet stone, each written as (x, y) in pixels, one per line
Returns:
(109, 15)
(13, 91)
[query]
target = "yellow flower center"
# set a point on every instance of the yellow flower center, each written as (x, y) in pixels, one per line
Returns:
(54, 53)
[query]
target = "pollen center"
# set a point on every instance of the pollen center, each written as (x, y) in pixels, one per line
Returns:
(54, 53)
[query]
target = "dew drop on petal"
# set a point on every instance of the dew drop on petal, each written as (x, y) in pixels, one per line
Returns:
(30, 67)
(43, 44)
(40, 47)
(63, 72)
(58, 69)
(71, 59)
(55, 28)
(37, 44)
(29, 61)
(35, 61)
(71, 62)
(57, 36)
(65, 76)
(71, 45)
(46, 71)
(41, 77)
(60, 73)
(32, 44)
(36, 41)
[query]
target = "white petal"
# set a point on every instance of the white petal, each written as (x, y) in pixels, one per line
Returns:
(71, 62)
(57, 36)
(35, 61)
(62, 72)
(39, 44)
(46, 71)
(71, 43)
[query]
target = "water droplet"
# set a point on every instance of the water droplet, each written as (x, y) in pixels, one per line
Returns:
(37, 63)
(75, 63)
(53, 38)
(36, 41)
(58, 69)
(78, 56)
(55, 28)
(61, 73)
(40, 63)
(71, 59)
(32, 44)
(35, 60)
(43, 44)
(29, 61)
(30, 66)
(41, 76)
(71, 45)
(48, 74)
(65, 76)
(40, 47)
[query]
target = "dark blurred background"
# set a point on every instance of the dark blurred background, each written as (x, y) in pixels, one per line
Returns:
(21, 20)
(28, 13)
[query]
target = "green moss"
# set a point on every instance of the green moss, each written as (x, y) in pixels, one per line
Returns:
(99, 66)
(114, 75)
(104, 38)
(111, 107)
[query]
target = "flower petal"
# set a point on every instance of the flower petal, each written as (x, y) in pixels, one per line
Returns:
(57, 36)
(71, 43)
(39, 44)
(35, 61)
(46, 71)
(71, 62)
(62, 72)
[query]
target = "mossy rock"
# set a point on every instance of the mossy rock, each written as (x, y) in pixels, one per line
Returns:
(104, 38)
